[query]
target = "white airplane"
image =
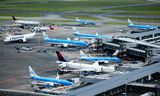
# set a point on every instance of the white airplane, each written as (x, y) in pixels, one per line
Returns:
(72, 66)
(25, 22)
(21, 38)
(44, 28)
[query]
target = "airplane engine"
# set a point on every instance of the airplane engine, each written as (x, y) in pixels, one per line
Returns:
(24, 40)
(63, 65)
(65, 45)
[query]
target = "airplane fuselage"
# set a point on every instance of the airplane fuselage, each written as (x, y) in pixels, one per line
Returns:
(14, 38)
(70, 42)
(113, 59)
(87, 67)
(57, 81)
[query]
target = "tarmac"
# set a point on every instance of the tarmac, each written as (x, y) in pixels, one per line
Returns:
(14, 73)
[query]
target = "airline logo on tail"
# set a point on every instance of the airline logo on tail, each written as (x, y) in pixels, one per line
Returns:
(32, 73)
(75, 30)
(60, 57)
(130, 22)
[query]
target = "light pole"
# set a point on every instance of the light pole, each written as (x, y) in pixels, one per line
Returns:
(126, 86)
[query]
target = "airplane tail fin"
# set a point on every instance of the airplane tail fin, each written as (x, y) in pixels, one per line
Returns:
(45, 36)
(75, 30)
(14, 18)
(130, 22)
(77, 18)
(68, 39)
(82, 54)
(32, 73)
(60, 57)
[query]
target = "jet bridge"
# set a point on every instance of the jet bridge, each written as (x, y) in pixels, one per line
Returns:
(138, 42)
(115, 81)
(130, 46)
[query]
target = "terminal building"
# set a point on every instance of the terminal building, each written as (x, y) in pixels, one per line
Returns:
(137, 44)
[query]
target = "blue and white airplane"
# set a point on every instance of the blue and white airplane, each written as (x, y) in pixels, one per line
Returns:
(49, 81)
(64, 43)
(135, 27)
(83, 56)
(90, 36)
(85, 22)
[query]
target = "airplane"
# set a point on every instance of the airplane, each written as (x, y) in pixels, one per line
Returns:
(83, 56)
(64, 65)
(21, 38)
(135, 27)
(25, 22)
(90, 36)
(85, 22)
(44, 28)
(49, 81)
(64, 43)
